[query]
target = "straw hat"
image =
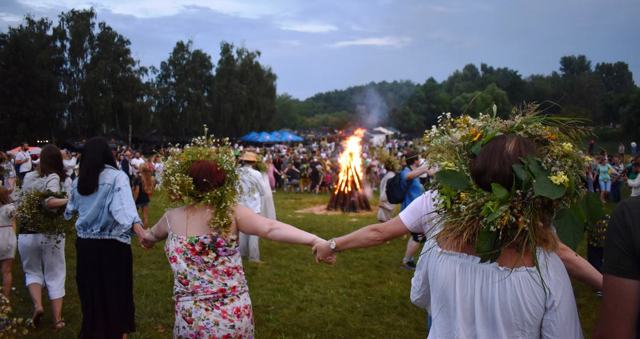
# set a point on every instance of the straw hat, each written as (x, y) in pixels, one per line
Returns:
(249, 156)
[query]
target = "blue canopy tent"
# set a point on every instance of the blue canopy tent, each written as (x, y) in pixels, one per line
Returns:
(290, 137)
(273, 137)
(264, 137)
(276, 136)
(250, 137)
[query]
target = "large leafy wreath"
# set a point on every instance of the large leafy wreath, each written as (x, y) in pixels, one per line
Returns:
(546, 185)
(179, 185)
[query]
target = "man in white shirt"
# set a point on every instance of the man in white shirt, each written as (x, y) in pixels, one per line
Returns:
(251, 192)
(69, 162)
(136, 162)
(23, 161)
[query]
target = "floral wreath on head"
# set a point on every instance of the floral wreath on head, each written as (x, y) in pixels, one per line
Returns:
(179, 185)
(550, 179)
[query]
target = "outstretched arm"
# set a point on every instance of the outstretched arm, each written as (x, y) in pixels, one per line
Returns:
(367, 236)
(158, 232)
(255, 224)
(579, 268)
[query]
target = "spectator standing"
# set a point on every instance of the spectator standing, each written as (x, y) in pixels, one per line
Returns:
(143, 186)
(69, 162)
(136, 163)
(8, 172)
(633, 179)
(251, 193)
(616, 178)
(621, 150)
(23, 161)
(634, 149)
(7, 239)
(385, 208)
(410, 183)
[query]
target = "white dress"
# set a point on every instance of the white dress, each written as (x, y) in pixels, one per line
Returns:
(469, 299)
(8, 239)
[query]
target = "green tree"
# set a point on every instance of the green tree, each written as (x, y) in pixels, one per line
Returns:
(184, 86)
(31, 102)
(244, 93)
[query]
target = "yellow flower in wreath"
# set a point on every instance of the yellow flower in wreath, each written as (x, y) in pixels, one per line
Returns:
(560, 178)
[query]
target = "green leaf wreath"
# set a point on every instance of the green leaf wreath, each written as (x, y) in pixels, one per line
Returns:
(33, 216)
(179, 185)
(545, 185)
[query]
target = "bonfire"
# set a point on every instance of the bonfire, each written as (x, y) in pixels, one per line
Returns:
(348, 194)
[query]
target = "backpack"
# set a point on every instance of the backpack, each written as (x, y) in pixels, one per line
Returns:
(395, 192)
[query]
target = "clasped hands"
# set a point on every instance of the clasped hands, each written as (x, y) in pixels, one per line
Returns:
(323, 252)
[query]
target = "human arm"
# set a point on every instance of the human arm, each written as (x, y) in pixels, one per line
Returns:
(122, 207)
(158, 232)
(368, 236)
(418, 217)
(417, 172)
(255, 224)
(53, 185)
(579, 268)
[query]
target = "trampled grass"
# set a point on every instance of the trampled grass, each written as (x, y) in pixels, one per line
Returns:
(365, 295)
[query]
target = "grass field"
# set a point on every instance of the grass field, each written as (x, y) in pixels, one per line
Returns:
(365, 295)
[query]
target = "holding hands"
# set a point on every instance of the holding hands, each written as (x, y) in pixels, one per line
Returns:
(323, 251)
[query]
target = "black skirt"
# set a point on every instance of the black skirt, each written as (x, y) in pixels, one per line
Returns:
(104, 274)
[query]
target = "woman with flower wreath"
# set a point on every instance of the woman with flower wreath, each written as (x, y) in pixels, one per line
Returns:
(493, 265)
(210, 289)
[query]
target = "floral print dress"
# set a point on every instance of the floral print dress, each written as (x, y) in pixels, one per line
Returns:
(210, 289)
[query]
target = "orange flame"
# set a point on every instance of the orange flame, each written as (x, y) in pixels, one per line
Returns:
(351, 163)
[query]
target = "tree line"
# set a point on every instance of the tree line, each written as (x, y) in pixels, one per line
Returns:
(605, 94)
(76, 78)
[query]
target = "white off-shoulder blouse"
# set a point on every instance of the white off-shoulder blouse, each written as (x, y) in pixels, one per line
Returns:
(469, 299)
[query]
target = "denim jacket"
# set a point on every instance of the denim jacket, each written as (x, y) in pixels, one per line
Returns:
(108, 213)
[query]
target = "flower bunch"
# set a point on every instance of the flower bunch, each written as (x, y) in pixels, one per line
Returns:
(544, 183)
(180, 187)
(33, 216)
(11, 327)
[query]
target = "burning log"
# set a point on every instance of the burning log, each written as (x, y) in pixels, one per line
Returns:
(348, 195)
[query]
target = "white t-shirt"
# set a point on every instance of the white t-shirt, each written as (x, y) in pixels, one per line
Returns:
(25, 166)
(135, 164)
(69, 165)
(469, 299)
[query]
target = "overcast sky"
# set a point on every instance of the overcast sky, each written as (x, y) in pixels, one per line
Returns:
(316, 46)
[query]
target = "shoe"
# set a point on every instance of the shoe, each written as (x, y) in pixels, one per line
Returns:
(409, 265)
(599, 294)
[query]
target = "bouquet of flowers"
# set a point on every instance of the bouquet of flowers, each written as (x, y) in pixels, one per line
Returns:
(546, 183)
(33, 216)
(181, 189)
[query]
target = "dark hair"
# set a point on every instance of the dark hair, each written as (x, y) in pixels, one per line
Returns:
(51, 161)
(5, 196)
(206, 175)
(411, 158)
(95, 155)
(495, 160)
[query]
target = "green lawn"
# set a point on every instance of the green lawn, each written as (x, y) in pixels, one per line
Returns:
(365, 295)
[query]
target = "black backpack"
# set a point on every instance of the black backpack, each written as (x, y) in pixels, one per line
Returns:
(394, 191)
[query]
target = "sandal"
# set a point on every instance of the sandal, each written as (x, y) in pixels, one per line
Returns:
(59, 325)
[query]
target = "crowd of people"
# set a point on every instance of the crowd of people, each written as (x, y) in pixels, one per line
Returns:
(109, 188)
